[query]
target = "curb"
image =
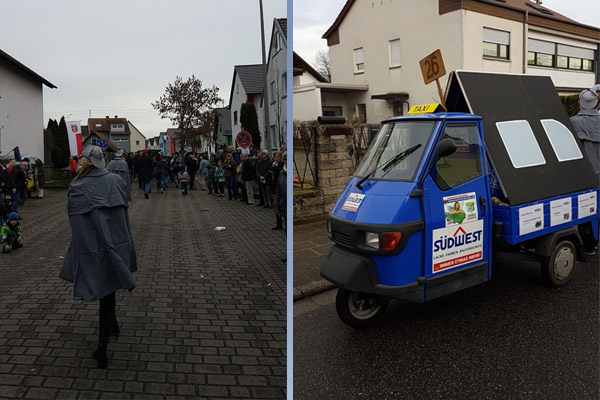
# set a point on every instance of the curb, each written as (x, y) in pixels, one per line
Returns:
(312, 288)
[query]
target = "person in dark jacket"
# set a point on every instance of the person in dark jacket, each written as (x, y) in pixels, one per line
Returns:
(161, 172)
(101, 257)
(230, 176)
(281, 196)
(145, 169)
(263, 166)
(40, 177)
(17, 184)
(192, 167)
(119, 166)
(247, 176)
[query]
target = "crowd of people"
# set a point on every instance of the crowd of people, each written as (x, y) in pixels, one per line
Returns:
(228, 173)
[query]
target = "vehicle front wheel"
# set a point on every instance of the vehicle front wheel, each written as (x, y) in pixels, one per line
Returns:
(358, 309)
(558, 268)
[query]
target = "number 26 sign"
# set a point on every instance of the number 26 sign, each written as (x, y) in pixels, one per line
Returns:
(432, 67)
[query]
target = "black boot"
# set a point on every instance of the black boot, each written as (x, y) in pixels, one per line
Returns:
(115, 330)
(100, 355)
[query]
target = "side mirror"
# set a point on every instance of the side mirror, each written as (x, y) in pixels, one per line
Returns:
(446, 147)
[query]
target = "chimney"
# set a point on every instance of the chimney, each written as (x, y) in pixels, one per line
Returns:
(107, 117)
(116, 116)
(538, 2)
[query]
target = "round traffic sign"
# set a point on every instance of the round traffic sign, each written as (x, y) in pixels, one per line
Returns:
(243, 139)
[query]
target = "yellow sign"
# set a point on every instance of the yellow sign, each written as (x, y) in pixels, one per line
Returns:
(432, 67)
(423, 109)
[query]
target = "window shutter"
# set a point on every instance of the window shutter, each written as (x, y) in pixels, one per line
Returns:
(358, 56)
(495, 36)
(394, 53)
(539, 46)
(577, 52)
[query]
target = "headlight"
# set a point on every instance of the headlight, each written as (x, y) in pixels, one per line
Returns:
(372, 240)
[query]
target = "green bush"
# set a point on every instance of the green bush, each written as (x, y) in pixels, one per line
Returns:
(570, 104)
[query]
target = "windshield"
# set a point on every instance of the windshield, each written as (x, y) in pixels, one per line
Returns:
(396, 152)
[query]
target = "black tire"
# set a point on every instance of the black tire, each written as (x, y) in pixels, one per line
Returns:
(358, 309)
(557, 269)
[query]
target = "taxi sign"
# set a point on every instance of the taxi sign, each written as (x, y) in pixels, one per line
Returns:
(425, 109)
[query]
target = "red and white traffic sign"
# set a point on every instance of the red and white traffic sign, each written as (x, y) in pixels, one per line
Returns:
(243, 139)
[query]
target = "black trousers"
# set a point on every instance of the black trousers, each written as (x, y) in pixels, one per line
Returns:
(107, 317)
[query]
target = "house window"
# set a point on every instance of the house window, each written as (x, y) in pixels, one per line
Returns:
(237, 88)
(394, 47)
(284, 84)
(553, 55)
(277, 43)
(98, 125)
(496, 44)
(117, 127)
(235, 117)
(137, 142)
(273, 93)
(359, 64)
(93, 142)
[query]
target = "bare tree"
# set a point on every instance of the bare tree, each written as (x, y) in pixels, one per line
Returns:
(322, 64)
(189, 106)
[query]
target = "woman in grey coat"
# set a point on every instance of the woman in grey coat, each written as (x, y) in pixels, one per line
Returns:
(119, 166)
(101, 256)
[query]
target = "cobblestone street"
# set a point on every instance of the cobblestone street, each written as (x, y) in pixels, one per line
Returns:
(207, 319)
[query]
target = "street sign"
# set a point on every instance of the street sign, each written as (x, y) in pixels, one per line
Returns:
(432, 68)
(103, 144)
(243, 139)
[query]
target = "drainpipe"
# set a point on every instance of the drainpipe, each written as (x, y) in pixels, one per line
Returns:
(525, 41)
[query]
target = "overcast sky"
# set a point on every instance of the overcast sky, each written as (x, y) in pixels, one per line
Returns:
(312, 18)
(117, 57)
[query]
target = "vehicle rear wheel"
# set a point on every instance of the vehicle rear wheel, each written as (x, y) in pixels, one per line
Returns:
(358, 309)
(558, 268)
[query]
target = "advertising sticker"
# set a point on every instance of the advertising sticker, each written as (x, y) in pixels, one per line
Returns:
(531, 219)
(353, 202)
(560, 211)
(457, 245)
(461, 208)
(586, 205)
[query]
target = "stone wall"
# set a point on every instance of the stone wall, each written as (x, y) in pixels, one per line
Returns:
(333, 170)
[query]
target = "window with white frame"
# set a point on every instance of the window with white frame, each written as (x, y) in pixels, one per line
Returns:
(117, 127)
(359, 63)
(273, 93)
(555, 55)
(496, 44)
(394, 50)
(284, 84)
(520, 143)
(235, 117)
(562, 140)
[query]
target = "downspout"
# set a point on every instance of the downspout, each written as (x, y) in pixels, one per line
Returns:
(525, 22)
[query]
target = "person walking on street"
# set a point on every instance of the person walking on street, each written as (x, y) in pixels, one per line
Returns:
(183, 177)
(161, 173)
(40, 177)
(192, 166)
(119, 166)
(99, 264)
(248, 176)
(129, 161)
(145, 169)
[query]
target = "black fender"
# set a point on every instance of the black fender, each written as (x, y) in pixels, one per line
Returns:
(545, 244)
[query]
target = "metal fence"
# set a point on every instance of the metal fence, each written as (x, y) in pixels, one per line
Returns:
(362, 137)
(305, 157)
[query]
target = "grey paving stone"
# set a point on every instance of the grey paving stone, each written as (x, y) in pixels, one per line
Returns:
(194, 322)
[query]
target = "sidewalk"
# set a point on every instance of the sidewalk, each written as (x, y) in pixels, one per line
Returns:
(207, 320)
(311, 245)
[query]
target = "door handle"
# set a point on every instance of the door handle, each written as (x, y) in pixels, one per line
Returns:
(482, 203)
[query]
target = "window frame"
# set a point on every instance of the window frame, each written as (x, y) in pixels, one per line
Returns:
(508, 149)
(362, 52)
(570, 135)
(499, 46)
(391, 65)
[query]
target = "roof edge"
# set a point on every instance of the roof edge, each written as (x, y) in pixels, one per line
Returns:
(26, 69)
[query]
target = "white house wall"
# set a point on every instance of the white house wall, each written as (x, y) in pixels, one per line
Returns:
(276, 68)
(239, 97)
(371, 25)
(307, 102)
(21, 112)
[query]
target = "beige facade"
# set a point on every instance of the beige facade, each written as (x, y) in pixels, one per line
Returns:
(379, 45)
(138, 140)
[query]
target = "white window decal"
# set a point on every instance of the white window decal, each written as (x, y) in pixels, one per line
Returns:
(562, 140)
(520, 143)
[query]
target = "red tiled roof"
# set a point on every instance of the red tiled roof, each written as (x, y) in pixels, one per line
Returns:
(105, 124)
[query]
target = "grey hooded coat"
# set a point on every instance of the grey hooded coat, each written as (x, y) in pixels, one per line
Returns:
(119, 167)
(101, 256)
